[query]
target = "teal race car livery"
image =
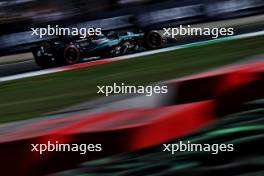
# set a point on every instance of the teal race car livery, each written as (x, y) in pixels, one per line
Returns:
(71, 51)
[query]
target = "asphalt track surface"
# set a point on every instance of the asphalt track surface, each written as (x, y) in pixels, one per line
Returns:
(29, 65)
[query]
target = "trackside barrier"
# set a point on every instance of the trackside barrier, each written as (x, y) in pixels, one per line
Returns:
(199, 101)
(119, 131)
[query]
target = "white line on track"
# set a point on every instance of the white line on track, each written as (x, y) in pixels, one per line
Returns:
(146, 53)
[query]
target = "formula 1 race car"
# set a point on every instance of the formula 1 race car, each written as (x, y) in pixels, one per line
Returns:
(71, 51)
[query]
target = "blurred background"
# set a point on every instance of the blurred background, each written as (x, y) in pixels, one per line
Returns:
(17, 17)
(45, 99)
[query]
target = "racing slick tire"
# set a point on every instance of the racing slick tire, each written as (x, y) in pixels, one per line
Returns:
(71, 55)
(154, 40)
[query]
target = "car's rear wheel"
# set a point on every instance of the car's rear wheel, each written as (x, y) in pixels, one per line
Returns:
(71, 55)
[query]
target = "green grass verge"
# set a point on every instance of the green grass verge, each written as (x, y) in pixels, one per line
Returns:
(33, 97)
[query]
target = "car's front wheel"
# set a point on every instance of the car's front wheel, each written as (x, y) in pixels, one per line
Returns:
(154, 40)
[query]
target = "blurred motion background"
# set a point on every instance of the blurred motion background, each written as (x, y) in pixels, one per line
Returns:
(72, 91)
(17, 17)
